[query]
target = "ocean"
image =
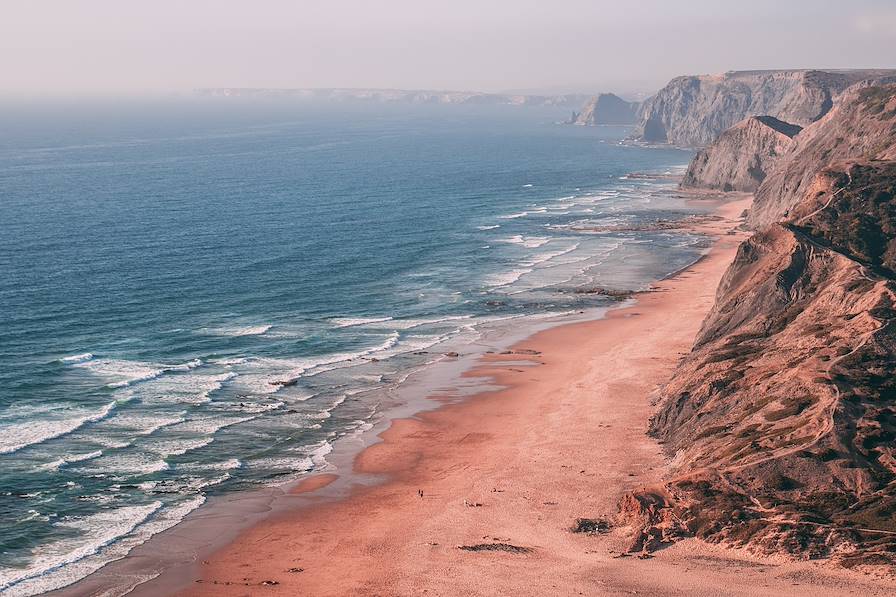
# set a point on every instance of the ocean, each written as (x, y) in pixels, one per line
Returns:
(202, 297)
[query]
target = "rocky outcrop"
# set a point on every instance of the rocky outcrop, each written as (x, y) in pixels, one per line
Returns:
(742, 155)
(860, 126)
(782, 420)
(694, 110)
(607, 108)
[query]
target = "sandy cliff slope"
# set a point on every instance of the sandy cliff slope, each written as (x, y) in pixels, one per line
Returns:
(782, 420)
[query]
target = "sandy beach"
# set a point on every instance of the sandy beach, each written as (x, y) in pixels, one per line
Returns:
(480, 495)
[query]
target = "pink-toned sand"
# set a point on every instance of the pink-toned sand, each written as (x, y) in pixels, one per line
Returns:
(565, 439)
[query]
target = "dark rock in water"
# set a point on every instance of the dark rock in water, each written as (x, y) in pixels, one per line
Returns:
(607, 108)
(285, 383)
(610, 292)
(452, 354)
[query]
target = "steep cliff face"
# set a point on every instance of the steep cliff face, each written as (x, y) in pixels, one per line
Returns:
(782, 420)
(861, 125)
(742, 155)
(694, 110)
(607, 108)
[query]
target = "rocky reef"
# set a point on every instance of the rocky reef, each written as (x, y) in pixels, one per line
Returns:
(693, 111)
(781, 421)
(742, 155)
(606, 108)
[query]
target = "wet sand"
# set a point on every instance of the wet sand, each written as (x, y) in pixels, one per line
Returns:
(515, 468)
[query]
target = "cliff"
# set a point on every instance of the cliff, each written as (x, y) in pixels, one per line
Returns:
(781, 421)
(742, 155)
(694, 110)
(607, 108)
(861, 125)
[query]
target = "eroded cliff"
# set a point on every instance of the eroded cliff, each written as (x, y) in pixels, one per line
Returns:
(781, 421)
(861, 126)
(742, 155)
(694, 110)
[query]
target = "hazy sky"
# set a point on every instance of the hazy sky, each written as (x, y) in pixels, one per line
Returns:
(99, 46)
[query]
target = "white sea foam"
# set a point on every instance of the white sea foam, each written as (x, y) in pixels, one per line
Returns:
(71, 458)
(113, 534)
(145, 423)
(521, 214)
(176, 447)
(191, 388)
(268, 375)
(284, 464)
(545, 257)
(237, 331)
(128, 464)
(229, 362)
(409, 344)
(506, 278)
(226, 465)
(492, 227)
(102, 529)
(86, 356)
(530, 242)
(407, 324)
(318, 454)
(15, 436)
(207, 426)
(121, 373)
(348, 322)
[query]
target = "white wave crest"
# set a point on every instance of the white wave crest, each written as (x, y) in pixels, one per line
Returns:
(531, 242)
(102, 529)
(348, 322)
(121, 373)
(15, 436)
(84, 356)
(237, 331)
(506, 278)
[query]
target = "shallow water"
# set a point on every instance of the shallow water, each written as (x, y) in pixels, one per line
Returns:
(203, 297)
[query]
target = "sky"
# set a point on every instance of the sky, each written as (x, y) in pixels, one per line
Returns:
(76, 47)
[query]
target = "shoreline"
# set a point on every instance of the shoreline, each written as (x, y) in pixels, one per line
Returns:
(514, 468)
(416, 447)
(167, 558)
